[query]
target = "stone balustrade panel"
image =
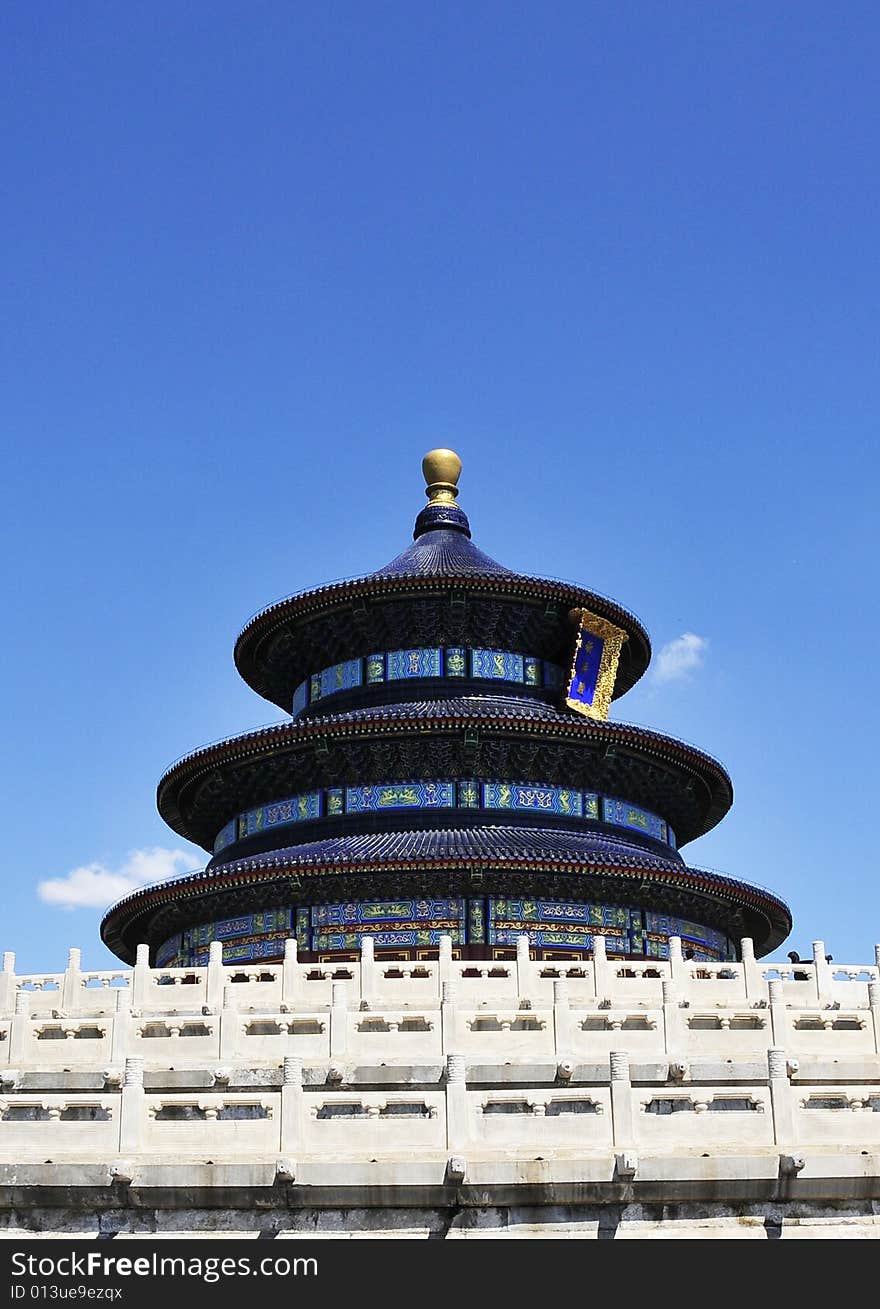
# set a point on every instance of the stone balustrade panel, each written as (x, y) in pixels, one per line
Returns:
(829, 1033)
(258, 989)
(625, 983)
(372, 1124)
(314, 984)
(477, 981)
(400, 1034)
(395, 984)
(170, 988)
(500, 1032)
(41, 993)
(210, 1124)
(170, 1039)
(259, 1038)
(714, 983)
(62, 1043)
(534, 1120)
(58, 1126)
(578, 979)
(730, 1033)
(594, 1033)
(688, 1117)
(837, 1116)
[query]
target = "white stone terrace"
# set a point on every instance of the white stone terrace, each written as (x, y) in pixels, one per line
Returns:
(466, 1069)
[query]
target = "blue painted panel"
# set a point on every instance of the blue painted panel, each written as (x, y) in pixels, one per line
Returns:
(384, 940)
(547, 799)
(253, 821)
(601, 917)
(341, 677)
(498, 665)
(553, 676)
(550, 938)
(400, 795)
(298, 809)
(413, 663)
(624, 814)
(300, 698)
(168, 952)
(375, 668)
(226, 835)
(368, 912)
(456, 662)
(668, 925)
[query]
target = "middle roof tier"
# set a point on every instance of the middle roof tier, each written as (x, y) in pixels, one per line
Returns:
(506, 739)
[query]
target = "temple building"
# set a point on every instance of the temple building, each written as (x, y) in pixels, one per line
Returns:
(448, 769)
(447, 972)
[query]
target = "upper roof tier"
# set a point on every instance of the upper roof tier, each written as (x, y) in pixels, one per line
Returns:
(441, 590)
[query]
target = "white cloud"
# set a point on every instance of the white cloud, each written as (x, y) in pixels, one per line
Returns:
(680, 657)
(96, 886)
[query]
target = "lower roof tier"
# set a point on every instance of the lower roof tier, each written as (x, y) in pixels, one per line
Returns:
(505, 739)
(489, 861)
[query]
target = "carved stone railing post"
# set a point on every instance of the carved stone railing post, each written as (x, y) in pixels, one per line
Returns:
(753, 980)
(230, 1020)
(444, 960)
(457, 1118)
(874, 1002)
(678, 968)
(622, 1124)
(602, 979)
(523, 967)
(21, 1027)
(673, 1019)
(292, 1105)
(120, 1041)
(291, 989)
(562, 1019)
(140, 978)
(216, 977)
(778, 1012)
(132, 1113)
(780, 1098)
(824, 983)
(71, 991)
(338, 1019)
(448, 1017)
(368, 968)
(7, 984)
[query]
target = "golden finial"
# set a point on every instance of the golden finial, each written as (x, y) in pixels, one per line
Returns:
(442, 469)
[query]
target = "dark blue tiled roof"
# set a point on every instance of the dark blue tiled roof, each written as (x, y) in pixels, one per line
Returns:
(460, 706)
(498, 846)
(441, 553)
(484, 843)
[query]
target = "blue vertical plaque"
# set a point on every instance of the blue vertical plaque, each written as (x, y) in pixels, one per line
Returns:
(590, 684)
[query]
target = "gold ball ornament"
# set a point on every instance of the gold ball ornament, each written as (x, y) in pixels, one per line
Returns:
(442, 469)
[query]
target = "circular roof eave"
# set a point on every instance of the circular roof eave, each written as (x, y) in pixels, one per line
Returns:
(120, 923)
(444, 716)
(518, 586)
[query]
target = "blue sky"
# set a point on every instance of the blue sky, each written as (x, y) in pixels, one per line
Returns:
(258, 258)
